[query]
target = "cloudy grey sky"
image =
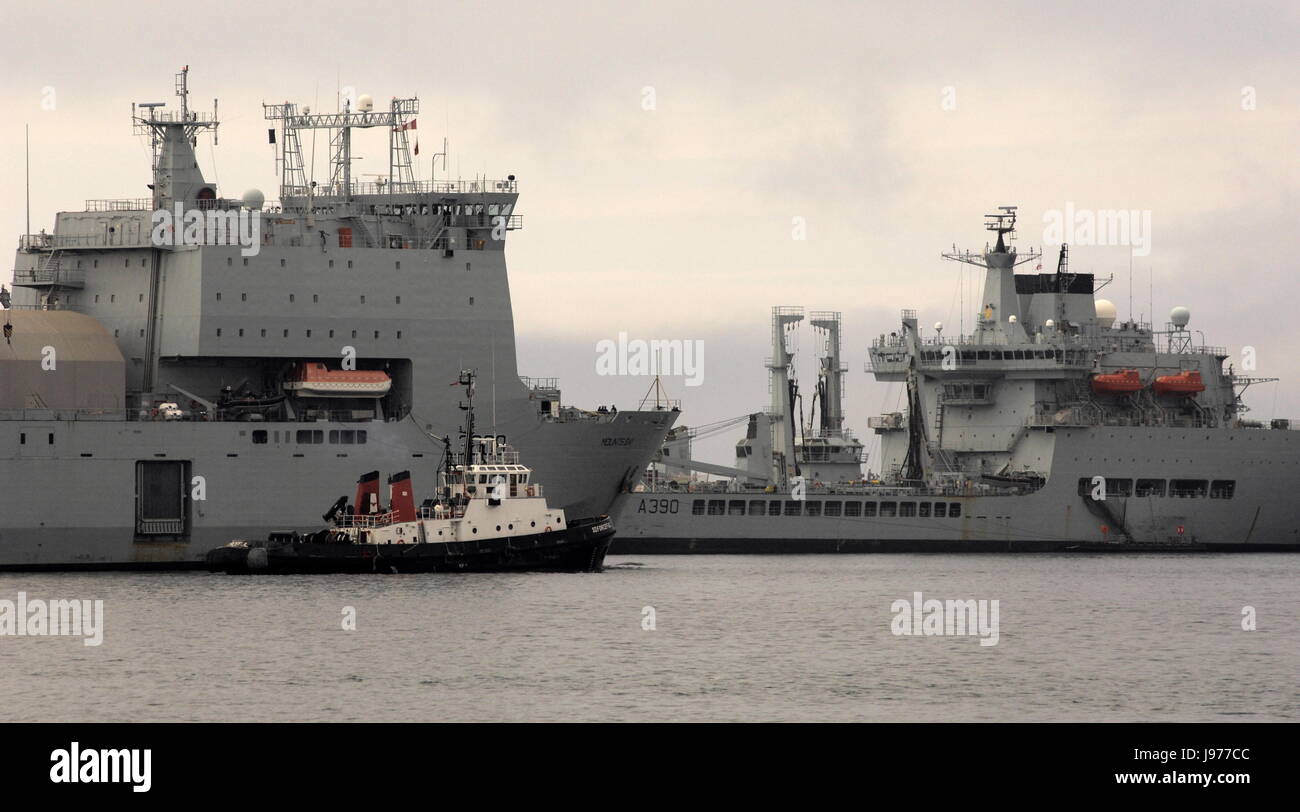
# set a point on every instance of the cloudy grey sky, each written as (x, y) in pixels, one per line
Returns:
(676, 222)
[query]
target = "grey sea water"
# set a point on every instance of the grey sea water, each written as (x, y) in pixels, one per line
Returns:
(1144, 637)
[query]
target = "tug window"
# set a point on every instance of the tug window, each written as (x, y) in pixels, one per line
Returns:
(1223, 488)
(259, 437)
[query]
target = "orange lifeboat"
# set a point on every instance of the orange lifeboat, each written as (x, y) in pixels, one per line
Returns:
(1124, 382)
(314, 379)
(1184, 383)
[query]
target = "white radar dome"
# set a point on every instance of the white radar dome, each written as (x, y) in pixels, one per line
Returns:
(1050, 324)
(1180, 316)
(254, 199)
(938, 327)
(1105, 313)
(365, 103)
(1012, 318)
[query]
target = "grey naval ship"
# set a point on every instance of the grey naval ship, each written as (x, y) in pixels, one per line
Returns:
(168, 384)
(1049, 427)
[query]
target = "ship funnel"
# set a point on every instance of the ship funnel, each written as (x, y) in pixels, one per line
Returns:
(368, 493)
(400, 498)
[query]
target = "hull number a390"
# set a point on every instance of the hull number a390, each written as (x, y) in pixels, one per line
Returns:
(658, 506)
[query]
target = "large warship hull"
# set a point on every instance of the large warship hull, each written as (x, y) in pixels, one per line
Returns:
(73, 503)
(1261, 515)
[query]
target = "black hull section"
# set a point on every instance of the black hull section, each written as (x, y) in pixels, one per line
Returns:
(740, 546)
(581, 547)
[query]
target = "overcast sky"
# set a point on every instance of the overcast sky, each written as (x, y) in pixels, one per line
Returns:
(889, 128)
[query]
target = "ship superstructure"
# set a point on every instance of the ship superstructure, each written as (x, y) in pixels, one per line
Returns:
(1049, 426)
(207, 347)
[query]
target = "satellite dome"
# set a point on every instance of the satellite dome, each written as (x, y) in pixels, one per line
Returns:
(1049, 324)
(365, 103)
(1180, 316)
(254, 199)
(1105, 313)
(1012, 318)
(938, 327)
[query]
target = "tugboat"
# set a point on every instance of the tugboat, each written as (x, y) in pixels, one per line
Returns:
(487, 516)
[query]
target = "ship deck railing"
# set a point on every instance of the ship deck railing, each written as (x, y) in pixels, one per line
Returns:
(420, 187)
(442, 513)
(365, 519)
(120, 204)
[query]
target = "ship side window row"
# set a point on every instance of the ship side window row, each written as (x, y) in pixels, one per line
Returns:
(1175, 488)
(828, 507)
(311, 437)
(285, 333)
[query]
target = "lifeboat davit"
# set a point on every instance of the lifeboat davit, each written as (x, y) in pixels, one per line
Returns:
(1124, 382)
(316, 380)
(1184, 383)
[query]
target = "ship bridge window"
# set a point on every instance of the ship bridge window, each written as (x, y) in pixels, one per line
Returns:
(852, 508)
(888, 509)
(697, 507)
(906, 508)
(736, 507)
(1223, 488)
(311, 437)
(757, 507)
(869, 509)
(1187, 488)
(940, 509)
(1150, 487)
(716, 507)
(813, 509)
(834, 508)
(792, 508)
(954, 510)
(923, 510)
(259, 437)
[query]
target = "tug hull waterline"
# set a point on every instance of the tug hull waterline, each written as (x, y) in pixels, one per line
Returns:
(164, 426)
(1050, 428)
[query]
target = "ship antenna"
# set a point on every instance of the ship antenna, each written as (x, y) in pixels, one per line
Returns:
(27, 150)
